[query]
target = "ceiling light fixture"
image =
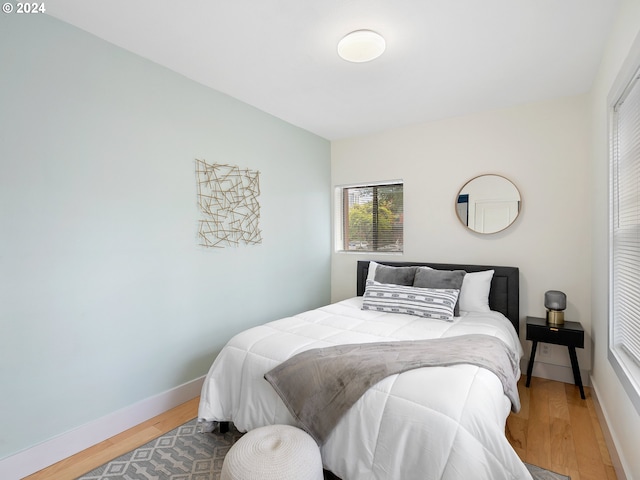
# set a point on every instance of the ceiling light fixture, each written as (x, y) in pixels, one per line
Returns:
(361, 46)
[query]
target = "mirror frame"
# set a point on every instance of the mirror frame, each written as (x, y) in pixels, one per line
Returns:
(466, 184)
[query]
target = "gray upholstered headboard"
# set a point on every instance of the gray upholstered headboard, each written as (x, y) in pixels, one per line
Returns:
(504, 296)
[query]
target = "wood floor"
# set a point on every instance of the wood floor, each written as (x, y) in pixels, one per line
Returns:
(85, 461)
(555, 429)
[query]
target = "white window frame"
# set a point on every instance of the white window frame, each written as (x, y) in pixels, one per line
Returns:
(339, 217)
(627, 367)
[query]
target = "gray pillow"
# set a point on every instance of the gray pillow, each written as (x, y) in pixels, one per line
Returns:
(430, 278)
(395, 275)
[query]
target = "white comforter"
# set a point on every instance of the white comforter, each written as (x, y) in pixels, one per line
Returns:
(429, 423)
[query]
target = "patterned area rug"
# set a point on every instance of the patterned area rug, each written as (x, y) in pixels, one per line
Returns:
(186, 454)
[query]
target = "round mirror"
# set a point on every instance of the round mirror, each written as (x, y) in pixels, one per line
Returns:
(488, 203)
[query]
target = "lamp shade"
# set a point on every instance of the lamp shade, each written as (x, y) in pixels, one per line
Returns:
(555, 300)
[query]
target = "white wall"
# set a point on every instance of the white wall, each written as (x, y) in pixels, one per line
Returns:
(621, 416)
(105, 297)
(543, 149)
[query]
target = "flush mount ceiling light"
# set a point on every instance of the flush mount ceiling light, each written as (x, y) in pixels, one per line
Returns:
(361, 46)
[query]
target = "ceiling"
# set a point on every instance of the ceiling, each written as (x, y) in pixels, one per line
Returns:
(444, 58)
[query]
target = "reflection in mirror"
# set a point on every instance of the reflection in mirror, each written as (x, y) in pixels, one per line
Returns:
(488, 203)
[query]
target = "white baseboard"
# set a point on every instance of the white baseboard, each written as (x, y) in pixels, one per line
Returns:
(609, 437)
(58, 448)
(550, 371)
(559, 373)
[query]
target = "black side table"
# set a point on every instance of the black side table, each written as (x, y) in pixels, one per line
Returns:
(570, 334)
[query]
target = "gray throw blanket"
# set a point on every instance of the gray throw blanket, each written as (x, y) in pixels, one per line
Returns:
(318, 386)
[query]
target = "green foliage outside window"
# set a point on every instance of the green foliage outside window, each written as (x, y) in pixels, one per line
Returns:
(375, 218)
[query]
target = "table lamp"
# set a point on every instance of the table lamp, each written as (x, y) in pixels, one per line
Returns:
(555, 303)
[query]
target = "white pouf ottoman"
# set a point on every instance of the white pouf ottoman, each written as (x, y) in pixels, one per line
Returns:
(274, 452)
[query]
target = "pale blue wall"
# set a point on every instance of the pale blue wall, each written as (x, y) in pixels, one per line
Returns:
(105, 297)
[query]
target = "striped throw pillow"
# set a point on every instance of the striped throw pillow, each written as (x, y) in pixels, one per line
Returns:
(423, 302)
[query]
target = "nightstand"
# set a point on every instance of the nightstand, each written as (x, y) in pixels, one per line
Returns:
(570, 334)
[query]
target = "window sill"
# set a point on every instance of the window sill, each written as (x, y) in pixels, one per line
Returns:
(367, 252)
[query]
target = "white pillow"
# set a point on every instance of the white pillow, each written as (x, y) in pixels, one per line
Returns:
(474, 294)
(371, 274)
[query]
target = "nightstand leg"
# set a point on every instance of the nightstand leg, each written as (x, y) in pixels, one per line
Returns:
(576, 370)
(531, 360)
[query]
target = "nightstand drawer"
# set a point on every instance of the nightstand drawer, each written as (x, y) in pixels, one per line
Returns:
(569, 334)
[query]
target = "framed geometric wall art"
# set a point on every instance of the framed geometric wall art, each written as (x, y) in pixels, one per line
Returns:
(228, 203)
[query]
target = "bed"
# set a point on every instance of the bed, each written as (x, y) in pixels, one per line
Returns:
(436, 422)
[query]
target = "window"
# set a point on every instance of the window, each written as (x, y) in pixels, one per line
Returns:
(371, 217)
(624, 291)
